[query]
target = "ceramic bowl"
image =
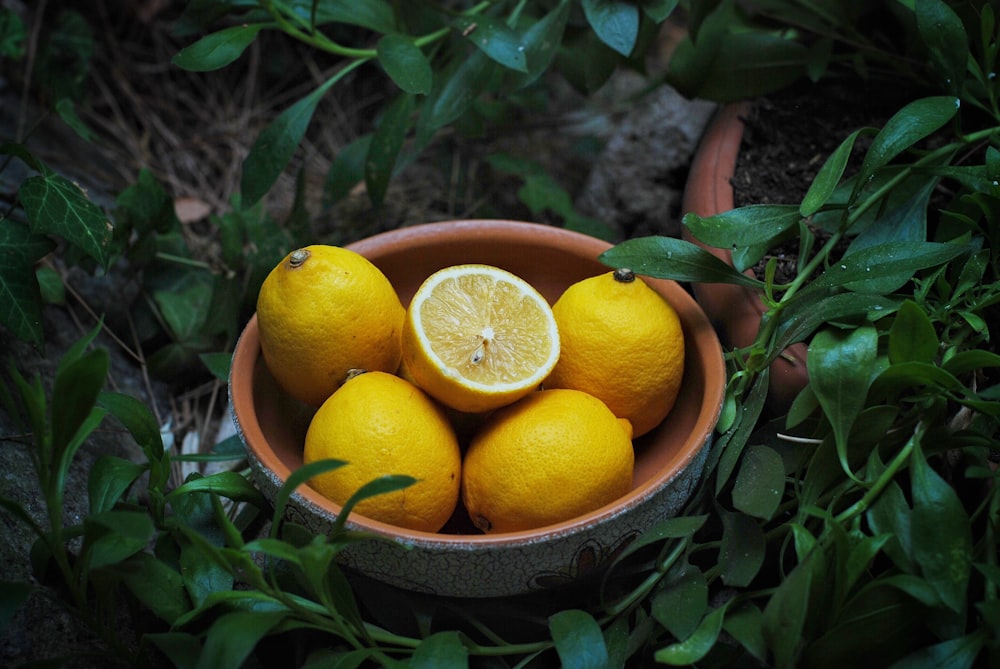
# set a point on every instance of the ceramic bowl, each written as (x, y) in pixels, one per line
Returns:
(459, 561)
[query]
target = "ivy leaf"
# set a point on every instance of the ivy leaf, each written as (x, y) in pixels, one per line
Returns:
(944, 34)
(218, 49)
(55, 205)
(442, 650)
(744, 226)
(915, 121)
(912, 337)
(385, 146)
(578, 639)
(941, 533)
(405, 63)
(20, 297)
(760, 482)
(672, 258)
(277, 143)
(494, 38)
(840, 372)
(615, 22)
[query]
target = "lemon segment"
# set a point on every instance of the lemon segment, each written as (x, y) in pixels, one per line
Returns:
(477, 337)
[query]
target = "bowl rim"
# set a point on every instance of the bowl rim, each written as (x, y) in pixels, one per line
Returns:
(247, 353)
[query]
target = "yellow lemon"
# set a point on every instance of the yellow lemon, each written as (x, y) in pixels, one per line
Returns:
(323, 311)
(383, 425)
(622, 342)
(552, 456)
(477, 337)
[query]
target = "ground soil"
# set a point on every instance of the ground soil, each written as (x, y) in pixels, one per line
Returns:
(788, 136)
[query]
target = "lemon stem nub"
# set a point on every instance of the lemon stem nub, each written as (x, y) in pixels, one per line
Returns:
(624, 275)
(297, 257)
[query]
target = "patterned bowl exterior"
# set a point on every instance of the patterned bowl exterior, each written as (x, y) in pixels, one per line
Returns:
(458, 561)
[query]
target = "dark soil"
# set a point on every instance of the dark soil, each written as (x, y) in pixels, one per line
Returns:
(789, 135)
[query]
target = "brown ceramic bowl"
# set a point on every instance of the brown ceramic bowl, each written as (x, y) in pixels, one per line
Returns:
(460, 561)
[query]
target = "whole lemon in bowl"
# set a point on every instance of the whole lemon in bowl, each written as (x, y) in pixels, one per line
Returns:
(322, 311)
(549, 457)
(623, 343)
(379, 425)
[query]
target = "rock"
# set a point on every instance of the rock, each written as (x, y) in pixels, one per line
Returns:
(636, 185)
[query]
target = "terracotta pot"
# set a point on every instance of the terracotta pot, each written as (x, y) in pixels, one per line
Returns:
(459, 561)
(735, 310)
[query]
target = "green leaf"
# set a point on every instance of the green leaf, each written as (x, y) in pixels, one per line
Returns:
(941, 533)
(864, 270)
(745, 226)
(294, 480)
(346, 171)
(659, 10)
(275, 146)
(672, 258)
(695, 647)
(218, 49)
(958, 653)
(494, 38)
(745, 624)
(113, 536)
(13, 35)
(379, 486)
(110, 477)
(158, 587)
(542, 41)
(74, 394)
(12, 593)
(915, 121)
(232, 485)
(56, 205)
(616, 22)
(680, 606)
(385, 146)
(743, 548)
(202, 574)
(462, 84)
(841, 365)
(578, 639)
(828, 178)
(233, 636)
(376, 15)
(67, 112)
(405, 63)
(760, 482)
(185, 311)
(218, 364)
(443, 650)
(787, 611)
(20, 298)
(944, 34)
(912, 337)
(802, 317)
(138, 419)
(181, 648)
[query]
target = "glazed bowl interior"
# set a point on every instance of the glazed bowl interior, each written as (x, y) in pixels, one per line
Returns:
(273, 425)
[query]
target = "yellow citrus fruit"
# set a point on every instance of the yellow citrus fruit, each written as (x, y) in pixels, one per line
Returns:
(622, 342)
(550, 457)
(477, 337)
(383, 425)
(322, 311)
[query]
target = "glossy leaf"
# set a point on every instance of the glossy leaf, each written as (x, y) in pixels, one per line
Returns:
(671, 258)
(74, 394)
(787, 611)
(276, 144)
(970, 360)
(382, 485)
(443, 650)
(941, 533)
(915, 121)
(868, 267)
(698, 644)
(233, 636)
(760, 482)
(745, 226)
(158, 587)
(138, 419)
(55, 205)
(405, 63)
(218, 364)
(109, 478)
(385, 146)
(615, 22)
(957, 653)
(231, 485)
(802, 317)
(743, 549)
(912, 337)
(840, 371)
(462, 85)
(294, 480)
(202, 574)
(678, 527)
(494, 38)
(376, 15)
(828, 178)
(944, 34)
(346, 171)
(745, 624)
(681, 605)
(659, 10)
(218, 49)
(113, 536)
(542, 41)
(20, 298)
(578, 639)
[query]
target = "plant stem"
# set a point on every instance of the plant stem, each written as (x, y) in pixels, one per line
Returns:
(883, 480)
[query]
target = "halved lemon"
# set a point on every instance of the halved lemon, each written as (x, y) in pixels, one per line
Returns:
(477, 337)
